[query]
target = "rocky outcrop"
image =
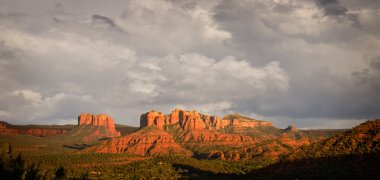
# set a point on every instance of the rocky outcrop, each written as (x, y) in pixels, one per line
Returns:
(193, 121)
(101, 120)
(145, 142)
(5, 130)
(152, 118)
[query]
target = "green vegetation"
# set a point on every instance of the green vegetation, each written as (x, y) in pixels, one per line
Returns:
(111, 166)
(353, 154)
(14, 166)
(359, 140)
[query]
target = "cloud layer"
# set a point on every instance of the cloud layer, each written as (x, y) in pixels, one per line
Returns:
(312, 63)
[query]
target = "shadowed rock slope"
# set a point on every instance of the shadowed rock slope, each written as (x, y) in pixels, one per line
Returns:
(362, 139)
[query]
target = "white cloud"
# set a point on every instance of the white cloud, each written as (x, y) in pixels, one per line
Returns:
(281, 58)
(161, 27)
(73, 49)
(57, 108)
(29, 95)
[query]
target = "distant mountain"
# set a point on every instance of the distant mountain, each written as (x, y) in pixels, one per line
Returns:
(34, 130)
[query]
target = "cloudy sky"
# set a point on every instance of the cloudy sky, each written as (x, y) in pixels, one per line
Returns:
(313, 63)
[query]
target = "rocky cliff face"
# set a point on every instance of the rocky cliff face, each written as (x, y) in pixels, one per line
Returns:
(193, 121)
(101, 120)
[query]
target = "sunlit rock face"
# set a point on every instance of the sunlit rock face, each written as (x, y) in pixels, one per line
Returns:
(35, 131)
(101, 120)
(193, 121)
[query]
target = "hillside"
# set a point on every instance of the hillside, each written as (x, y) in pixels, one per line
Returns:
(34, 130)
(353, 154)
(362, 139)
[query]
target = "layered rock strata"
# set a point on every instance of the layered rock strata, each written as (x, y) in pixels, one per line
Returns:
(35, 131)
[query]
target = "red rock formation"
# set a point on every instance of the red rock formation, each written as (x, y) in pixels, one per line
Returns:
(208, 135)
(153, 118)
(145, 142)
(174, 116)
(5, 130)
(101, 120)
(45, 132)
(41, 132)
(192, 120)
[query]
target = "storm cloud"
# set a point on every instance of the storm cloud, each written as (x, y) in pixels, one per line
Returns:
(312, 63)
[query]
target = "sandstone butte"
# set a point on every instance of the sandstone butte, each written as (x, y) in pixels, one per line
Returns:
(100, 120)
(194, 121)
(41, 132)
(182, 132)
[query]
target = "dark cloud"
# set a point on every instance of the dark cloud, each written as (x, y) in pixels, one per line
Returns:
(369, 78)
(375, 63)
(332, 7)
(105, 22)
(335, 8)
(98, 19)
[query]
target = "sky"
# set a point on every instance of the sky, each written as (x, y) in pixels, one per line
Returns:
(312, 63)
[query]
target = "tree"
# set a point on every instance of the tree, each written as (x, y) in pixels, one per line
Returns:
(60, 173)
(32, 173)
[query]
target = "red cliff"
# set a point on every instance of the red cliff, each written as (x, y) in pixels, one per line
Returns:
(9, 129)
(193, 121)
(101, 120)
